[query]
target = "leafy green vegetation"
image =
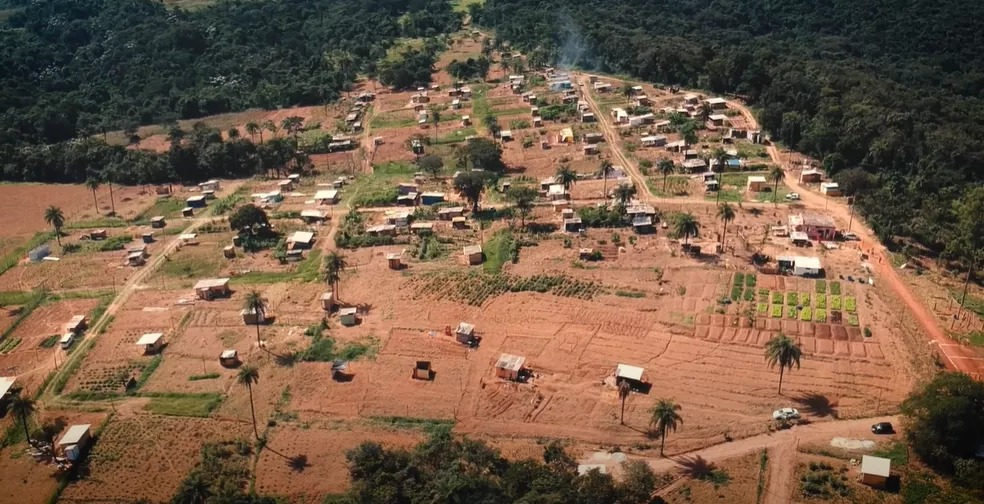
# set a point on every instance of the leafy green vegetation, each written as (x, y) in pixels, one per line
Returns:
(474, 287)
(821, 286)
(835, 288)
(207, 376)
(187, 405)
(762, 308)
(792, 299)
(835, 302)
(821, 481)
(307, 270)
(630, 294)
(499, 249)
(776, 311)
(850, 304)
(809, 74)
(777, 298)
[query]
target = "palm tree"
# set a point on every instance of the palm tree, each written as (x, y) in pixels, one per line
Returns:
(776, 175)
(255, 304)
(623, 194)
(565, 176)
(664, 417)
(56, 219)
(727, 214)
(783, 351)
(666, 167)
(686, 225)
(93, 184)
(271, 127)
(23, 407)
(435, 118)
(606, 168)
(247, 377)
(233, 133)
(252, 129)
(292, 125)
(623, 393)
(335, 264)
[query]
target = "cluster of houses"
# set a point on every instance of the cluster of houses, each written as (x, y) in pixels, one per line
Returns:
(355, 114)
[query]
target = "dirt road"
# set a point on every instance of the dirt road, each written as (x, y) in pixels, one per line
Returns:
(812, 433)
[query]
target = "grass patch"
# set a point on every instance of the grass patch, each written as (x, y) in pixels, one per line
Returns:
(185, 405)
(898, 453)
(50, 341)
(500, 248)
(850, 304)
(61, 379)
(630, 294)
(105, 222)
(717, 477)
(407, 423)
(191, 266)
(971, 302)
(149, 370)
(835, 288)
(776, 311)
(749, 294)
(975, 338)
(199, 377)
(9, 344)
(307, 270)
(392, 169)
(763, 464)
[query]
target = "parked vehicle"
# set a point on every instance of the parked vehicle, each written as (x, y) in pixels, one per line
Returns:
(785, 414)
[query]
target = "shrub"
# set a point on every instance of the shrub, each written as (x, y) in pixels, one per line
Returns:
(867, 332)
(567, 242)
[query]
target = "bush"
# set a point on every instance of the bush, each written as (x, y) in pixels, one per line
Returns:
(602, 217)
(867, 332)
(118, 242)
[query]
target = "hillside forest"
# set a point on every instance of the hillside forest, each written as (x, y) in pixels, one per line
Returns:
(888, 94)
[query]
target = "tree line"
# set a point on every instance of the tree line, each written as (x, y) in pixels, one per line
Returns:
(889, 88)
(70, 71)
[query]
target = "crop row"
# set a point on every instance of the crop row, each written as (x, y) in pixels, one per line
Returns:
(476, 288)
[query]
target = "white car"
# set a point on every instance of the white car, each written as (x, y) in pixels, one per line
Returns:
(793, 196)
(785, 414)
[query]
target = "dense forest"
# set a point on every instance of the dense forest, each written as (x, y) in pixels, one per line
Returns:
(893, 88)
(70, 70)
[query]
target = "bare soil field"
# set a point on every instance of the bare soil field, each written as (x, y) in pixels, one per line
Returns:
(161, 450)
(23, 204)
(26, 481)
(736, 481)
(29, 361)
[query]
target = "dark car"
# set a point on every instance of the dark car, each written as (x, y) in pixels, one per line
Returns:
(882, 428)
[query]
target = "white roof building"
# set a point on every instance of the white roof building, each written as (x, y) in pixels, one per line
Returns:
(629, 372)
(510, 362)
(74, 435)
(150, 339)
(6, 383)
(211, 283)
(876, 466)
(326, 194)
(301, 237)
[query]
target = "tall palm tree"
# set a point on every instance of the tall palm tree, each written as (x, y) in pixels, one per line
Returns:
(606, 169)
(666, 167)
(686, 225)
(271, 127)
(664, 417)
(93, 184)
(335, 264)
(727, 214)
(435, 117)
(254, 303)
(623, 194)
(247, 377)
(22, 408)
(783, 351)
(252, 129)
(565, 176)
(56, 219)
(623, 393)
(776, 175)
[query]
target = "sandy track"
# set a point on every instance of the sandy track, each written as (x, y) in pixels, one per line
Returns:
(782, 441)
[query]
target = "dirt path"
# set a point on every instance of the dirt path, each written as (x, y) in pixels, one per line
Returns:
(781, 469)
(787, 440)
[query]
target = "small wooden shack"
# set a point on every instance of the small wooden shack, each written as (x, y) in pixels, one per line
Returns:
(74, 442)
(473, 254)
(188, 212)
(151, 342)
(393, 260)
(135, 259)
(229, 358)
(252, 316)
(459, 223)
(449, 213)
(212, 288)
(196, 202)
(327, 301)
(875, 471)
(422, 370)
(98, 234)
(509, 366)
(632, 374)
(465, 332)
(76, 324)
(348, 316)
(229, 252)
